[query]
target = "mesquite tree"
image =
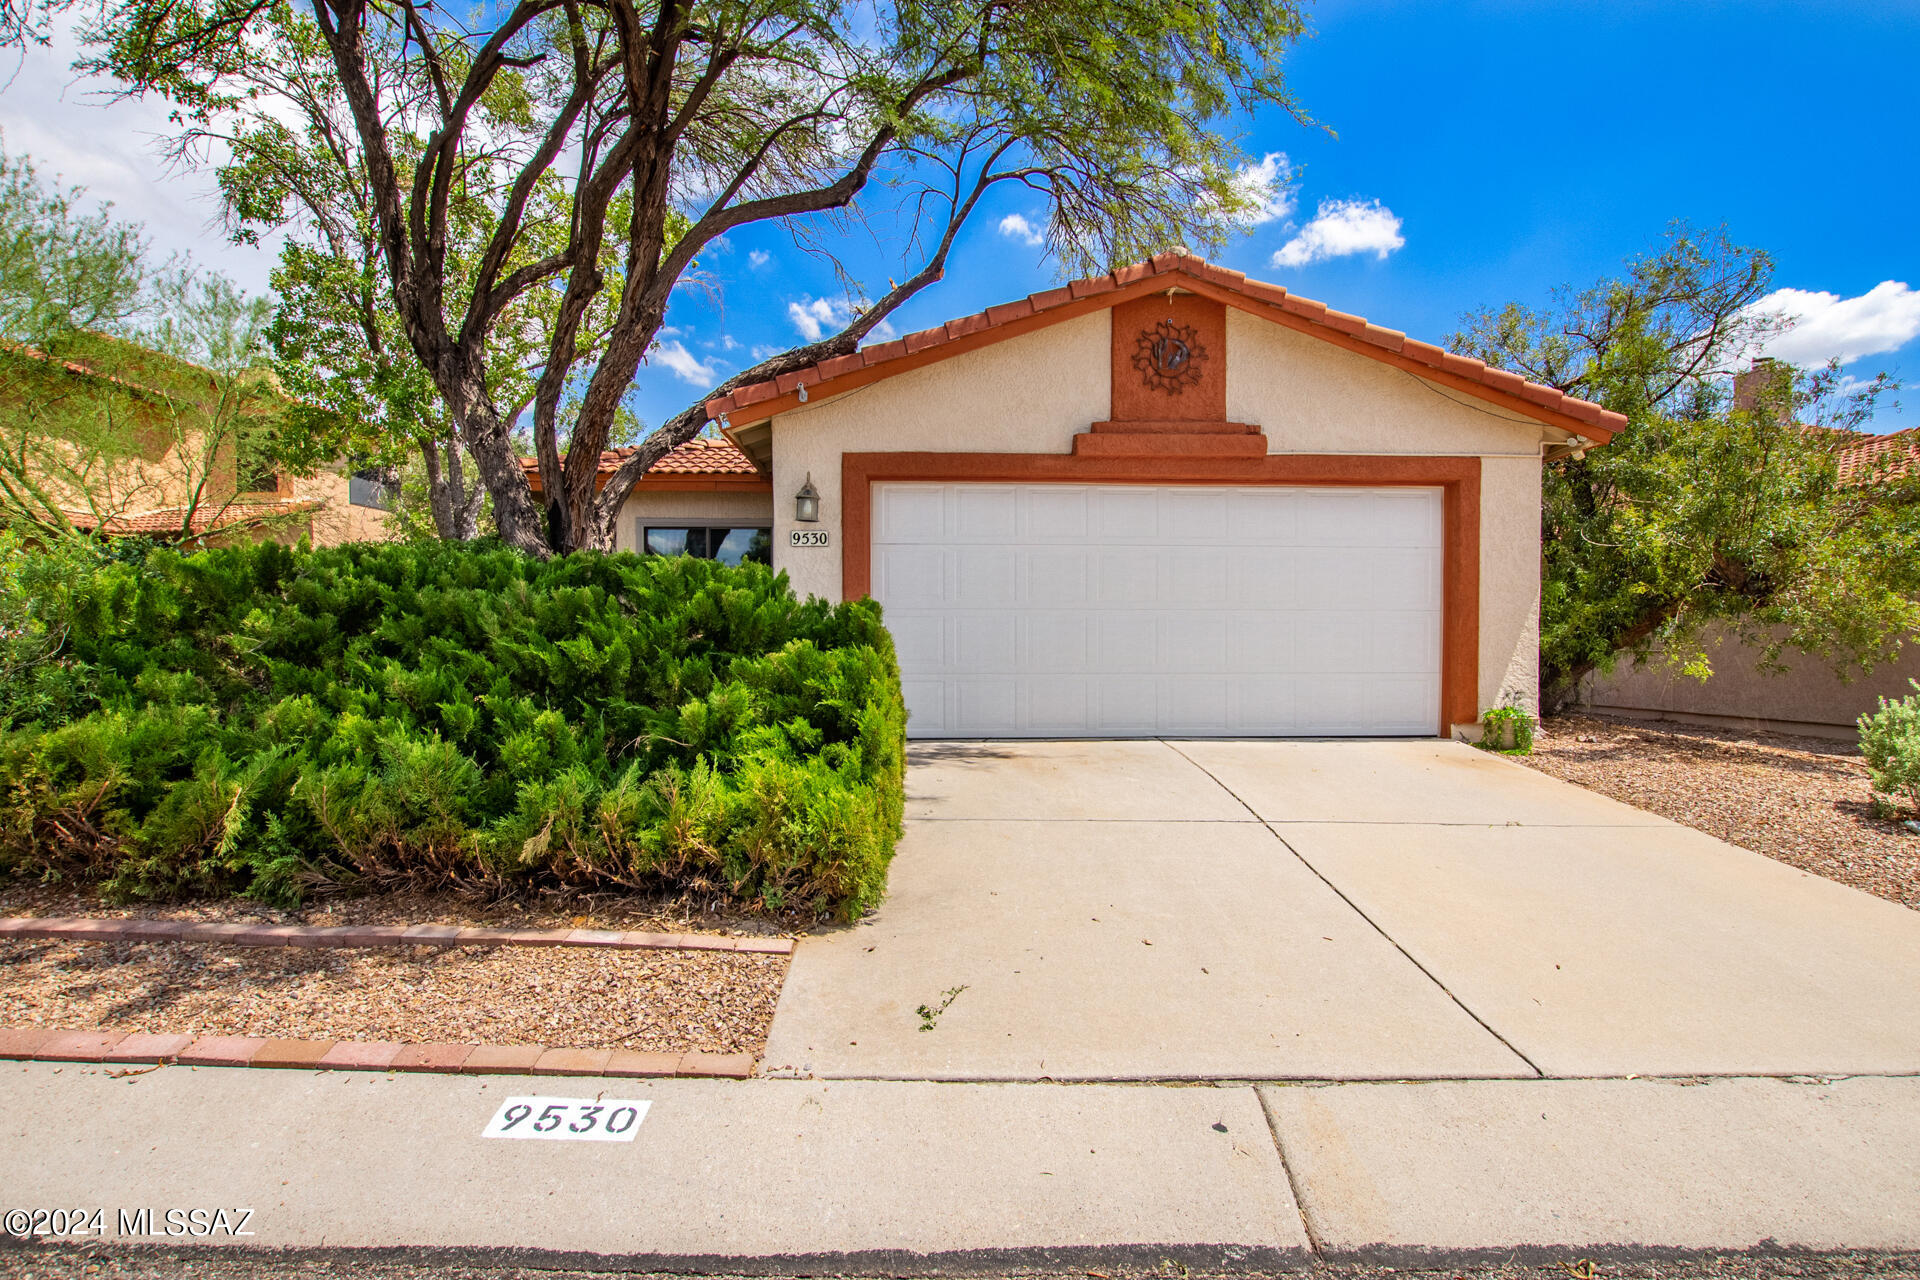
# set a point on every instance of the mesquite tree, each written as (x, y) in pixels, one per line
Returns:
(548, 162)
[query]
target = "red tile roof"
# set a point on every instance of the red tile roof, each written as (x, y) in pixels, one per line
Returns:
(759, 401)
(1870, 459)
(703, 457)
(167, 521)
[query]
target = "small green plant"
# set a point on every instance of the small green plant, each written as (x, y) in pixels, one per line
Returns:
(1890, 740)
(930, 1014)
(1508, 730)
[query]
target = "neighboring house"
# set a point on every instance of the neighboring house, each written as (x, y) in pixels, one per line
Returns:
(1806, 698)
(142, 451)
(706, 498)
(1166, 501)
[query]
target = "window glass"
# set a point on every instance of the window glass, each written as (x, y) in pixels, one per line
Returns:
(366, 490)
(676, 542)
(735, 546)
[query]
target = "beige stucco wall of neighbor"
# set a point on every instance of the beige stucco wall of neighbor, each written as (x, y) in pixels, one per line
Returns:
(1033, 394)
(661, 505)
(1806, 698)
(339, 520)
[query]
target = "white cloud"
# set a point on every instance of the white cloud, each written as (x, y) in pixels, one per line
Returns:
(1267, 184)
(1015, 227)
(1341, 228)
(684, 366)
(814, 316)
(760, 353)
(758, 258)
(1825, 326)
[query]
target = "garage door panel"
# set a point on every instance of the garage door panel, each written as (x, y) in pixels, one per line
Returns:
(983, 513)
(910, 577)
(1058, 577)
(1057, 706)
(1190, 516)
(1126, 706)
(1193, 641)
(1126, 642)
(1261, 643)
(1193, 578)
(1126, 513)
(1270, 577)
(1263, 518)
(919, 641)
(985, 578)
(1062, 610)
(1193, 704)
(926, 707)
(1265, 704)
(1403, 643)
(983, 704)
(1055, 515)
(1054, 642)
(913, 513)
(1128, 578)
(985, 642)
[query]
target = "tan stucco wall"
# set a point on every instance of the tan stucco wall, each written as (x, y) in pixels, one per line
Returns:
(1808, 696)
(1033, 394)
(1024, 395)
(339, 520)
(659, 506)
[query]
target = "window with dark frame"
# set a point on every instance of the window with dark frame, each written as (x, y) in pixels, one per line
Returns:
(367, 489)
(729, 544)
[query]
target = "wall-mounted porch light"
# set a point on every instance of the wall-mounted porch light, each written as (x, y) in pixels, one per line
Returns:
(806, 503)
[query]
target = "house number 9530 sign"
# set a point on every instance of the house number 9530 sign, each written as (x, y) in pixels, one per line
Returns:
(567, 1119)
(806, 537)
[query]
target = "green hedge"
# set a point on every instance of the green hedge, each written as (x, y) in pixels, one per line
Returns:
(258, 720)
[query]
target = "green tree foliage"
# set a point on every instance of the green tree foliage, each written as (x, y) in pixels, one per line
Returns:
(125, 385)
(259, 719)
(562, 138)
(1702, 510)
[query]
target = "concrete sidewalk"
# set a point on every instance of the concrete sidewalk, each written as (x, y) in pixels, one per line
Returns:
(905, 1178)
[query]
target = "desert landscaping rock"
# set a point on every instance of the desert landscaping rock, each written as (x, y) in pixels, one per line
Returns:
(563, 998)
(1801, 801)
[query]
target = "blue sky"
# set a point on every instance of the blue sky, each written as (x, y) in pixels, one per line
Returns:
(1478, 153)
(1520, 146)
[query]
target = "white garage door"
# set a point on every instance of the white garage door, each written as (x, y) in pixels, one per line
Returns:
(1137, 611)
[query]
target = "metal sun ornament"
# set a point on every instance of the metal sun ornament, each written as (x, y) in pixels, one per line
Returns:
(1168, 356)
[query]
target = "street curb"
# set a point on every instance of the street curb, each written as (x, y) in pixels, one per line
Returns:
(56, 1044)
(132, 928)
(1147, 1261)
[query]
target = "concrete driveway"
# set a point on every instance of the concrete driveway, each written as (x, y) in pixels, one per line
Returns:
(1332, 911)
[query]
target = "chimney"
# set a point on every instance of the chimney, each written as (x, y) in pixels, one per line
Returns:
(1751, 387)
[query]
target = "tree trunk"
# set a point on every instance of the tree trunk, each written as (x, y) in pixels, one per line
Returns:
(462, 499)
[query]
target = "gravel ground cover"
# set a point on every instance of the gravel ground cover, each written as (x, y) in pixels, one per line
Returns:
(647, 915)
(68, 1262)
(585, 998)
(1801, 801)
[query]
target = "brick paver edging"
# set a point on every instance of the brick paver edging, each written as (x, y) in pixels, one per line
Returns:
(128, 929)
(51, 1044)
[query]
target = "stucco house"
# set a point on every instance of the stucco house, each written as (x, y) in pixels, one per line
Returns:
(1169, 500)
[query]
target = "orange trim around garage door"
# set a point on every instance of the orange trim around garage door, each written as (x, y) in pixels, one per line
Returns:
(1458, 478)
